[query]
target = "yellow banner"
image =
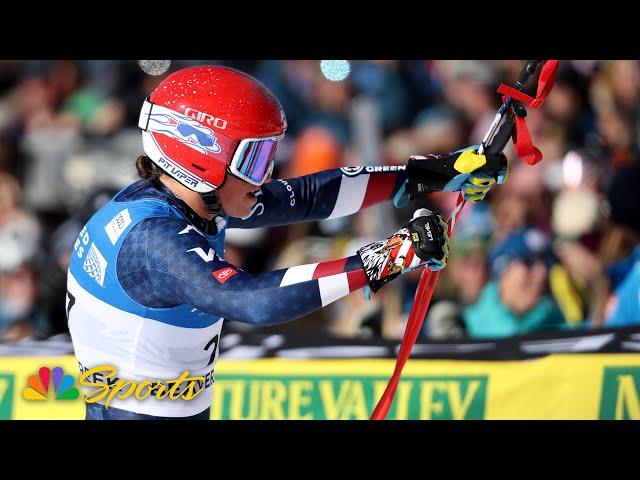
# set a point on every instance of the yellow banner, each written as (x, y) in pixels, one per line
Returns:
(567, 386)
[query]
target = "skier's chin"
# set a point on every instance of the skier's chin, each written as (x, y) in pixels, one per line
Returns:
(250, 201)
(237, 197)
(241, 207)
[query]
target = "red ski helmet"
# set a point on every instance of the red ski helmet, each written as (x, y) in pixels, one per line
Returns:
(203, 122)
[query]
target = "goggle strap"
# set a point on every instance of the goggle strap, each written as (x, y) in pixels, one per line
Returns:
(145, 115)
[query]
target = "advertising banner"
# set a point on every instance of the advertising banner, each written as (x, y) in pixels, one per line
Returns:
(563, 386)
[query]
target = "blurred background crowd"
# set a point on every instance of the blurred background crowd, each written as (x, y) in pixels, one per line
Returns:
(547, 251)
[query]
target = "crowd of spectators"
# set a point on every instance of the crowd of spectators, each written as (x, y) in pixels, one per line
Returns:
(549, 250)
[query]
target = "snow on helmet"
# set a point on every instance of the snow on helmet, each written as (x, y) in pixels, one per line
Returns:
(203, 122)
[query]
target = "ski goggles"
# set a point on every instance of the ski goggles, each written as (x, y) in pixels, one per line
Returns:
(252, 160)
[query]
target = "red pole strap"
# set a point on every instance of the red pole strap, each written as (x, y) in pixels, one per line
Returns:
(522, 141)
(546, 81)
(523, 145)
(526, 151)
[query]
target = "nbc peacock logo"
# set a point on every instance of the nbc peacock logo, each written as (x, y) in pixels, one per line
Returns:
(38, 388)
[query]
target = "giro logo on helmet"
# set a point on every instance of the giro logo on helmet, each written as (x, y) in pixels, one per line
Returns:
(205, 118)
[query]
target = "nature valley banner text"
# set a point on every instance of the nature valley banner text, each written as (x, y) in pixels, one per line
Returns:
(348, 398)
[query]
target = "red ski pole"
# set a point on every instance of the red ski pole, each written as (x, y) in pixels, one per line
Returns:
(494, 141)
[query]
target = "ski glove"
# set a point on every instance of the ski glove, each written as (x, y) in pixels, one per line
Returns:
(463, 170)
(422, 241)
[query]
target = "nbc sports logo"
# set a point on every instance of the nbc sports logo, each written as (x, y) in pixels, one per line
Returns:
(38, 385)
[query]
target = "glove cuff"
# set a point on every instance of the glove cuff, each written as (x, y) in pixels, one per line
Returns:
(427, 174)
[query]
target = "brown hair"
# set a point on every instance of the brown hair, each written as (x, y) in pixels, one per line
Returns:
(146, 168)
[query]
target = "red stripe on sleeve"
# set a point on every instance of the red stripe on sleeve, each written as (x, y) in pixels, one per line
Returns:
(379, 188)
(409, 258)
(356, 279)
(325, 269)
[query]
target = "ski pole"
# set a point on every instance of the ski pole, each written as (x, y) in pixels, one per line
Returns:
(494, 141)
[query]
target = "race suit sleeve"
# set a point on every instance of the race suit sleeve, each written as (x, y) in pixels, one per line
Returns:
(163, 263)
(329, 194)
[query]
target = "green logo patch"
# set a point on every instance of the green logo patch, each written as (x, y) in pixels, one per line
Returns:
(620, 394)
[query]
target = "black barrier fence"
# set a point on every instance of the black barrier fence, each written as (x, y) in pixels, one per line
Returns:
(622, 340)
(236, 345)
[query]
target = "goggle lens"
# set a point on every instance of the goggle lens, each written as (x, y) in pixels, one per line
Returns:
(254, 160)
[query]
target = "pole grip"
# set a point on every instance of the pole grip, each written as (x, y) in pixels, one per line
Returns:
(501, 138)
(528, 70)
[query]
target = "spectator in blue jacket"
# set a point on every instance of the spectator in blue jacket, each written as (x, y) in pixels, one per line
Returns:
(622, 195)
(517, 300)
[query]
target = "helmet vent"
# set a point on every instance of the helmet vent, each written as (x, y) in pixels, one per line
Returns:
(198, 167)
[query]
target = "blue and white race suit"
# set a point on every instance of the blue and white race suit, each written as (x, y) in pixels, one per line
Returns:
(148, 286)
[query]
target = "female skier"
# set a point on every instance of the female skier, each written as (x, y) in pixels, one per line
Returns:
(148, 286)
